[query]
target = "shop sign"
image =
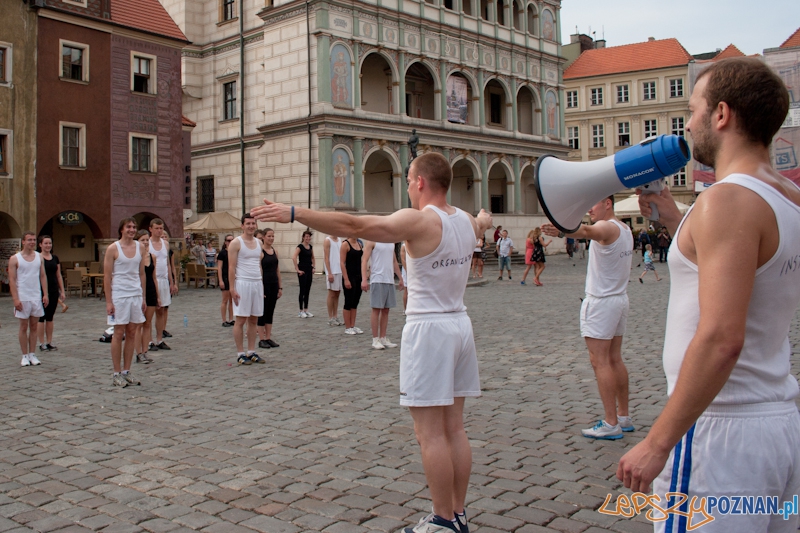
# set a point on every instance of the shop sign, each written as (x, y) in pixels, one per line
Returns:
(70, 218)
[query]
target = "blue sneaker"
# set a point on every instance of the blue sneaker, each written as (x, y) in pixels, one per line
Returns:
(244, 360)
(254, 358)
(462, 521)
(604, 431)
(625, 423)
(522, 283)
(432, 524)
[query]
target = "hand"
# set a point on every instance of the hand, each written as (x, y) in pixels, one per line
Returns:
(668, 212)
(234, 296)
(61, 296)
(484, 219)
(109, 307)
(144, 306)
(173, 289)
(280, 293)
(640, 466)
(347, 284)
(330, 278)
(222, 285)
(272, 212)
(365, 286)
(300, 272)
(401, 286)
(45, 300)
(18, 305)
(550, 230)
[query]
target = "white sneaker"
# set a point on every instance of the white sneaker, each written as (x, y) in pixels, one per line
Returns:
(350, 331)
(358, 331)
(625, 423)
(33, 360)
(308, 314)
(603, 430)
(25, 361)
(431, 524)
(302, 314)
(333, 322)
(376, 344)
(387, 343)
(339, 322)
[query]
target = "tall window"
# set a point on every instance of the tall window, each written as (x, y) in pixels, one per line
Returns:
(650, 128)
(495, 112)
(140, 155)
(597, 96)
(228, 10)
(649, 90)
(572, 98)
(677, 126)
(3, 154)
(623, 95)
(676, 88)
(679, 179)
(70, 147)
(72, 62)
(141, 74)
(598, 136)
(623, 133)
(229, 96)
(3, 52)
(573, 135)
(205, 194)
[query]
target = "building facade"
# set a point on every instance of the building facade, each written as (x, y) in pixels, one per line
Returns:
(785, 61)
(619, 96)
(314, 103)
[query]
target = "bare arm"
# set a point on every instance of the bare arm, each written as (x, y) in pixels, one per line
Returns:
(280, 280)
(12, 281)
(602, 231)
(397, 271)
(43, 281)
(143, 277)
(60, 281)
(295, 255)
(326, 258)
(155, 283)
(233, 257)
(343, 264)
(365, 265)
(108, 268)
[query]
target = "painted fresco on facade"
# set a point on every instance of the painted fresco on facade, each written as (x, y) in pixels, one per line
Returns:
(341, 76)
(549, 26)
(341, 178)
(551, 106)
(457, 110)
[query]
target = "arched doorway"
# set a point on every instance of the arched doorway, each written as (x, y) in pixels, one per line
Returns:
(377, 85)
(143, 221)
(499, 199)
(9, 229)
(74, 237)
(529, 112)
(533, 20)
(379, 183)
(494, 99)
(420, 87)
(464, 187)
(530, 202)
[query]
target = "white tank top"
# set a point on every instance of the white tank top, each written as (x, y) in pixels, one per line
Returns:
(609, 266)
(382, 265)
(125, 281)
(333, 257)
(162, 259)
(248, 263)
(436, 282)
(29, 283)
(762, 372)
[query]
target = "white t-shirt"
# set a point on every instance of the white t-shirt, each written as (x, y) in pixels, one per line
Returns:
(505, 246)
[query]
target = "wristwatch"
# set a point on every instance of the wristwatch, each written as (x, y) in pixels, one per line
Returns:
(561, 234)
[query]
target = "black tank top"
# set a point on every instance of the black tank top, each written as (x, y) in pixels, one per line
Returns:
(269, 268)
(352, 263)
(304, 259)
(149, 282)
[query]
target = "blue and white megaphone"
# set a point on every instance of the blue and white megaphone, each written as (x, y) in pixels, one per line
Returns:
(567, 190)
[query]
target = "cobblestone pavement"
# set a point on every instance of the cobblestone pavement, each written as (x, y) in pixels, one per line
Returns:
(314, 440)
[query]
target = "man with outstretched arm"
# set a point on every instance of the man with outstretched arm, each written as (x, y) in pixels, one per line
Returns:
(438, 362)
(730, 425)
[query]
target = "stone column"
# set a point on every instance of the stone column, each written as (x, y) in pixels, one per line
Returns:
(514, 117)
(325, 153)
(443, 91)
(485, 203)
(481, 102)
(404, 162)
(401, 67)
(517, 185)
(446, 154)
(323, 68)
(358, 173)
(356, 79)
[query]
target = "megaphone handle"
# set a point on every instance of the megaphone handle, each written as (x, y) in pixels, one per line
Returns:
(654, 187)
(654, 209)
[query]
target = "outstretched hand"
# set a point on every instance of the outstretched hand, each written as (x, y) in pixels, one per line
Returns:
(550, 230)
(272, 212)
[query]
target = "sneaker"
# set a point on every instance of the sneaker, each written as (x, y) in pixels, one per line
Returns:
(119, 381)
(255, 358)
(25, 361)
(129, 379)
(142, 359)
(146, 358)
(640, 281)
(226, 324)
(302, 314)
(509, 277)
(376, 344)
(625, 423)
(358, 331)
(244, 360)
(32, 358)
(231, 323)
(43, 348)
(333, 322)
(166, 334)
(602, 430)
(432, 524)
(522, 283)
(387, 343)
(308, 314)
(350, 331)
(462, 522)
(264, 344)
(272, 343)
(500, 278)
(152, 347)
(51, 348)
(163, 346)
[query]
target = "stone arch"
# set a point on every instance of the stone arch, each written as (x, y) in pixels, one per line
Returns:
(518, 15)
(549, 23)
(378, 87)
(382, 177)
(465, 189)
(75, 242)
(144, 218)
(529, 200)
(529, 110)
(552, 115)
(496, 97)
(421, 84)
(500, 176)
(9, 227)
(532, 15)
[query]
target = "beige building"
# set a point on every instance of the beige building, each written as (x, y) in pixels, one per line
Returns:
(618, 96)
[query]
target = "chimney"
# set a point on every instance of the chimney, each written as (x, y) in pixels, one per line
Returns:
(600, 43)
(651, 39)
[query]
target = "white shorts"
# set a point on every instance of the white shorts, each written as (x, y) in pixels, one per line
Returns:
(163, 291)
(251, 298)
(30, 310)
(604, 318)
(336, 285)
(404, 276)
(126, 311)
(438, 361)
(731, 451)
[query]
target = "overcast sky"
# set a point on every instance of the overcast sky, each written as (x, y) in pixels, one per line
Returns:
(699, 25)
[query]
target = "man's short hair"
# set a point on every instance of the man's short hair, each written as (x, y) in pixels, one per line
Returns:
(124, 222)
(246, 216)
(156, 222)
(611, 197)
(24, 235)
(435, 168)
(755, 94)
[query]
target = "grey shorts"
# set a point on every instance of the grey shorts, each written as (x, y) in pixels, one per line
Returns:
(381, 295)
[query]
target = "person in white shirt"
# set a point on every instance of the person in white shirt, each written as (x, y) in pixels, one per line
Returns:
(730, 425)
(333, 277)
(247, 289)
(604, 313)
(28, 283)
(167, 287)
(438, 361)
(381, 263)
(505, 247)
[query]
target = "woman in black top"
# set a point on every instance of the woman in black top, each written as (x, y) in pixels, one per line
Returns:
(151, 298)
(350, 257)
(273, 289)
(55, 292)
(226, 309)
(304, 265)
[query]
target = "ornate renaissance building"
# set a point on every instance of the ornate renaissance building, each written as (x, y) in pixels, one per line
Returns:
(313, 102)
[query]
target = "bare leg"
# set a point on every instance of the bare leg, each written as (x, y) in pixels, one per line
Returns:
(611, 375)
(23, 336)
(116, 348)
(147, 329)
(332, 303)
(480, 268)
(238, 333)
(252, 334)
(127, 353)
(161, 323)
(527, 269)
(347, 315)
(384, 321)
(48, 331)
(40, 335)
(223, 308)
(33, 325)
(374, 319)
(268, 331)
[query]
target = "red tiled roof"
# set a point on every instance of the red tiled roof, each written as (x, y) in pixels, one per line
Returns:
(792, 41)
(629, 58)
(730, 51)
(146, 15)
(186, 122)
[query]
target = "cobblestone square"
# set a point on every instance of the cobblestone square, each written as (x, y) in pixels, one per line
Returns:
(314, 440)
